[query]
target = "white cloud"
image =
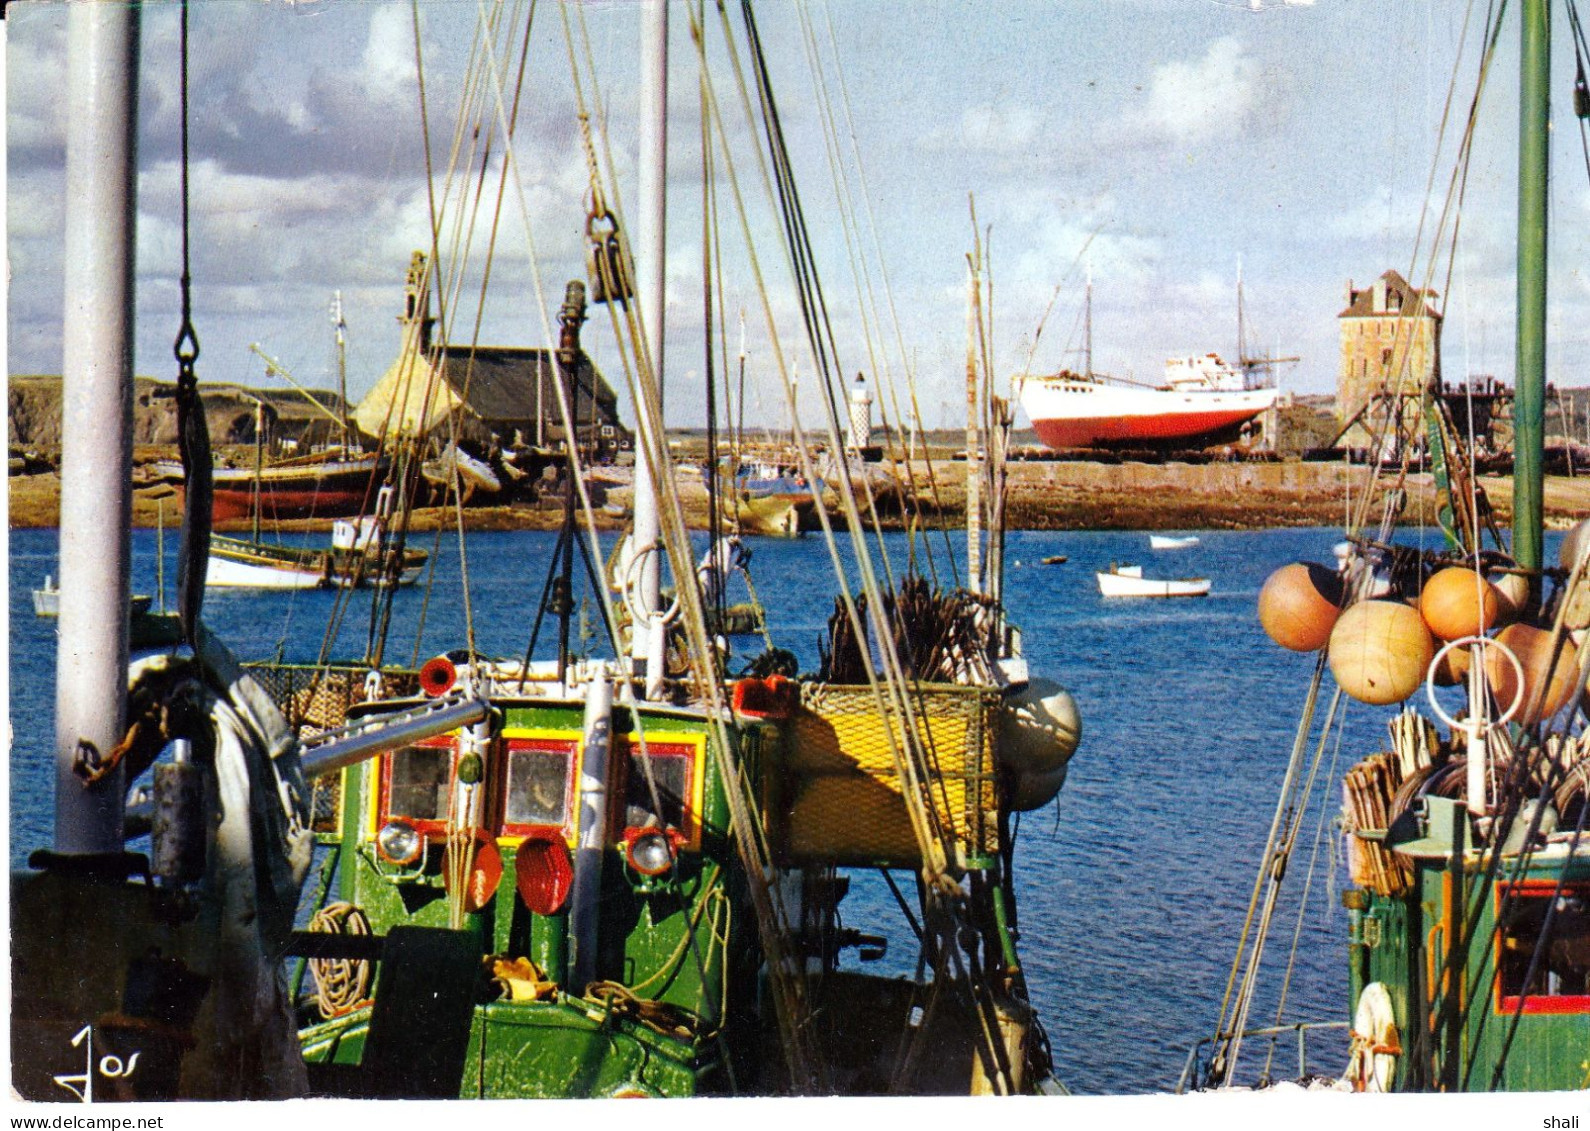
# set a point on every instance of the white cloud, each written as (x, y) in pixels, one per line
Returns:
(1205, 100)
(1003, 128)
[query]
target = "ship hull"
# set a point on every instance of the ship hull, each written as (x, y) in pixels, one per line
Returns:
(324, 502)
(1085, 414)
(309, 488)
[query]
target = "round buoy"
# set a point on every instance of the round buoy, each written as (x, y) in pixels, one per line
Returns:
(1452, 667)
(1458, 602)
(1512, 592)
(1039, 728)
(1299, 604)
(1575, 544)
(1533, 648)
(1034, 791)
(1380, 651)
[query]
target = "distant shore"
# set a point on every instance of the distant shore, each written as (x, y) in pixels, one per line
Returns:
(1043, 495)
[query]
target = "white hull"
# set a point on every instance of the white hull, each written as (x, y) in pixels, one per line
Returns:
(236, 564)
(1133, 584)
(1068, 411)
(1171, 542)
(225, 573)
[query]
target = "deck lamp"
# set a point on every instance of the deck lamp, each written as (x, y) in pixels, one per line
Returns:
(399, 843)
(650, 851)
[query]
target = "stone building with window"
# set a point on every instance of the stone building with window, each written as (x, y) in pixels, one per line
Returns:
(1391, 342)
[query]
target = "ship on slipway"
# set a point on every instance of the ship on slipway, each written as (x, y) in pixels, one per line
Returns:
(1202, 400)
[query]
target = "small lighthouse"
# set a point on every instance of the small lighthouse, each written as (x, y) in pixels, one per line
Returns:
(860, 416)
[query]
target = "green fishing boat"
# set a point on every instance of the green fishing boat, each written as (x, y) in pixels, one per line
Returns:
(1468, 914)
(621, 870)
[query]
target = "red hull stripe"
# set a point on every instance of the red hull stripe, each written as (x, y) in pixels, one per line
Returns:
(1115, 429)
(287, 504)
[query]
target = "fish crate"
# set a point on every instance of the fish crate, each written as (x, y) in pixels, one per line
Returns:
(315, 698)
(836, 796)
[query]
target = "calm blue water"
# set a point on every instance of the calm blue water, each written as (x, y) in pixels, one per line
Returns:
(1132, 889)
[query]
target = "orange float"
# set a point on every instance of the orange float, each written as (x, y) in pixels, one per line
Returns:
(1380, 651)
(1299, 604)
(1512, 591)
(1453, 667)
(1533, 648)
(1458, 602)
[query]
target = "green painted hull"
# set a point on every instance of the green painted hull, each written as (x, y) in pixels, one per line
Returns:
(1455, 1022)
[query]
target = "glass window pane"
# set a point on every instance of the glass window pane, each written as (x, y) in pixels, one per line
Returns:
(1563, 968)
(672, 776)
(421, 776)
(538, 787)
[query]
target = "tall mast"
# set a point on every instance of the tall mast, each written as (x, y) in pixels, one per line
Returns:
(96, 427)
(1530, 395)
(342, 364)
(1087, 327)
(974, 463)
(1242, 335)
(650, 264)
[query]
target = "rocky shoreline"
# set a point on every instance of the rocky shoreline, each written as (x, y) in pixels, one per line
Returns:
(1043, 495)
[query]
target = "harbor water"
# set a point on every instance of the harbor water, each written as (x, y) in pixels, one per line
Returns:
(1133, 887)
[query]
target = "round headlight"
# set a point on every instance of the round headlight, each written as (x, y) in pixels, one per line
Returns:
(650, 853)
(399, 842)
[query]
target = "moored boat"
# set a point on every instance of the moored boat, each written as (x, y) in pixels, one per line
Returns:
(1468, 941)
(330, 484)
(619, 871)
(1201, 402)
(1128, 581)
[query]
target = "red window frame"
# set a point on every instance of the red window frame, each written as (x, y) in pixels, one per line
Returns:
(1536, 1004)
(629, 750)
(428, 828)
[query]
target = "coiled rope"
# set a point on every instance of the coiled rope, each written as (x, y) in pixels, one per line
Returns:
(342, 985)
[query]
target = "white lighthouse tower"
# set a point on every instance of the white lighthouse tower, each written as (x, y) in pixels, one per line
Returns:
(860, 416)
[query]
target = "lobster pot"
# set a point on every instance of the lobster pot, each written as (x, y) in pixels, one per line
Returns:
(838, 798)
(316, 699)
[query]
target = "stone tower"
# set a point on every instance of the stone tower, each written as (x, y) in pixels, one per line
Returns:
(1391, 342)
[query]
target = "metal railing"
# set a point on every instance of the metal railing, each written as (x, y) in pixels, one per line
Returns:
(1193, 1068)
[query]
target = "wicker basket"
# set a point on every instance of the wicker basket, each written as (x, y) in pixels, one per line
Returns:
(839, 799)
(316, 699)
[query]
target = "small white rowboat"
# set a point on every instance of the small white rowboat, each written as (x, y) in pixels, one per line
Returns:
(1128, 581)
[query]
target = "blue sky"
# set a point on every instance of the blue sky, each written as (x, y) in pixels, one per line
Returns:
(1161, 141)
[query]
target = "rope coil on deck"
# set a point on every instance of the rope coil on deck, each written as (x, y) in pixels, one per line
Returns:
(342, 985)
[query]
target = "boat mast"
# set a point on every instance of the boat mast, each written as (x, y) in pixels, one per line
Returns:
(342, 365)
(974, 463)
(1087, 328)
(96, 427)
(1242, 334)
(1530, 394)
(259, 460)
(650, 263)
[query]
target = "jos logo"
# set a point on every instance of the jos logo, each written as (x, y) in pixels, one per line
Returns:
(110, 1066)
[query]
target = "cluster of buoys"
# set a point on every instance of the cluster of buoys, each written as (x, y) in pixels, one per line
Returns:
(1381, 649)
(1039, 731)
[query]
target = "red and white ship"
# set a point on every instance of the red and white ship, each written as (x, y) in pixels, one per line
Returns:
(1203, 401)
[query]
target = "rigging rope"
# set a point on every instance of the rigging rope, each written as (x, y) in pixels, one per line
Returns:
(193, 433)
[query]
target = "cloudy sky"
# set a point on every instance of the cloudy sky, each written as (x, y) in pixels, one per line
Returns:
(1161, 141)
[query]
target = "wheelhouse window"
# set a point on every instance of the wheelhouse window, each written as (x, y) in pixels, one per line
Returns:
(417, 781)
(671, 766)
(1561, 980)
(539, 792)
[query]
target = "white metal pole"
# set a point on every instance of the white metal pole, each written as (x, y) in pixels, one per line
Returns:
(586, 897)
(650, 252)
(96, 439)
